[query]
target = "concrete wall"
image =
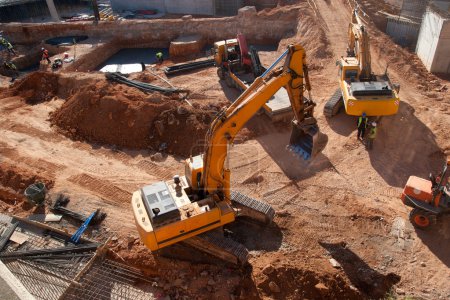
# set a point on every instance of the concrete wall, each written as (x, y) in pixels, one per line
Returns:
(261, 27)
(131, 5)
(433, 44)
(441, 62)
(403, 32)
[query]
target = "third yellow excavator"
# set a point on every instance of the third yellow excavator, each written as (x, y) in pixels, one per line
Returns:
(360, 91)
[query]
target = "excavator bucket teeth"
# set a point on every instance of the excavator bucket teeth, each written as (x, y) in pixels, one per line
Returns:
(306, 142)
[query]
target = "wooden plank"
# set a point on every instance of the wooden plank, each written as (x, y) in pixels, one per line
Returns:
(19, 237)
(47, 227)
(45, 218)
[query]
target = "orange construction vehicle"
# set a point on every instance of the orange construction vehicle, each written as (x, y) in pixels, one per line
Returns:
(192, 208)
(429, 198)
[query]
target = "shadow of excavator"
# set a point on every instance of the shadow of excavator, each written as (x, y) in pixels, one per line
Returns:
(367, 280)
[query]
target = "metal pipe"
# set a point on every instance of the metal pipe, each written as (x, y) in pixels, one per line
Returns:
(276, 62)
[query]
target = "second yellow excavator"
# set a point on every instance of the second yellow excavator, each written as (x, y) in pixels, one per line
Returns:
(192, 208)
(360, 91)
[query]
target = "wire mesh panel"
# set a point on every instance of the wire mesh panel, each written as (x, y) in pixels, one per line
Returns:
(107, 279)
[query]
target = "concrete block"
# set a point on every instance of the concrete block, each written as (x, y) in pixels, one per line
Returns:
(247, 11)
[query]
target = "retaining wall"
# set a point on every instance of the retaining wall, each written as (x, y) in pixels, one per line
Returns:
(258, 28)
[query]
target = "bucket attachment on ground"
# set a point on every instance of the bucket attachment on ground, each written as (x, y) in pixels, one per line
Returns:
(306, 140)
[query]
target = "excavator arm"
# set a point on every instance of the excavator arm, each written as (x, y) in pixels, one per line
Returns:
(305, 139)
(359, 46)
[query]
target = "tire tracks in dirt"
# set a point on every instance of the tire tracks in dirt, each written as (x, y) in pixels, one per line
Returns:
(30, 131)
(103, 188)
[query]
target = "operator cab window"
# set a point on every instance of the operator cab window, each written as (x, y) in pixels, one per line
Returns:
(351, 74)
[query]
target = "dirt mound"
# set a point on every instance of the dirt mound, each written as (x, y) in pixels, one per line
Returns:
(292, 283)
(124, 117)
(18, 179)
(311, 36)
(13, 182)
(37, 87)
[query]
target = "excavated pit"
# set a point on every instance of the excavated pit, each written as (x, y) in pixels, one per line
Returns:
(130, 56)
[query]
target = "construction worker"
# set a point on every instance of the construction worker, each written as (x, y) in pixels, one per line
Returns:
(12, 70)
(6, 44)
(159, 57)
(372, 135)
(45, 55)
(362, 125)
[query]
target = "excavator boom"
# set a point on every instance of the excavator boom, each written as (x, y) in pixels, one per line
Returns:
(306, 139)
(359, 45)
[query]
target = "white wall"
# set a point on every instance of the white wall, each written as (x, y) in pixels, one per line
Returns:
(428, 38)
(441, 62)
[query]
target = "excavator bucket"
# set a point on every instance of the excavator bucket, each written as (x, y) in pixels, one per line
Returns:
(306, 141)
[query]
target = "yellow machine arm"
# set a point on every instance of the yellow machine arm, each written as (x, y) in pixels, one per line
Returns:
(358, 45)
(304, 140)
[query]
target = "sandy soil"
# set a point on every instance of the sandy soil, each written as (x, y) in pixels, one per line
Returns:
(343, 205)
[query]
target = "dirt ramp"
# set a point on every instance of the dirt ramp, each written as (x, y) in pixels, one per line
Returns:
(125, 117)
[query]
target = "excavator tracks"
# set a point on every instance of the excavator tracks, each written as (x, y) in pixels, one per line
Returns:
(216, 244)
(252, 208)
(333, 104)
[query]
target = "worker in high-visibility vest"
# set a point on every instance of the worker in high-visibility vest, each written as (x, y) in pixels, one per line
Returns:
(11, 69)
(362, 125)
(159, 57)
(372, 135)
(7, 45)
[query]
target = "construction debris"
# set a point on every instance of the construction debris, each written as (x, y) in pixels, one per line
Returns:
(59, 206)
(47, 252)
(77, 235)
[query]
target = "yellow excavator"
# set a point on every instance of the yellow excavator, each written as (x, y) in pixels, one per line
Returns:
(192, 208)
(360, 91)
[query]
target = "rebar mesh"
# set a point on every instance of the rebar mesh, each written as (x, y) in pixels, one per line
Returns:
(107, 279)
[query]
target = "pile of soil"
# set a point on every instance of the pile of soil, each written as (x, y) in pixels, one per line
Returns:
(13, 182)
(125, 117)
(37, 87)
(311, 36)
(18, 179)
(286, 282)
